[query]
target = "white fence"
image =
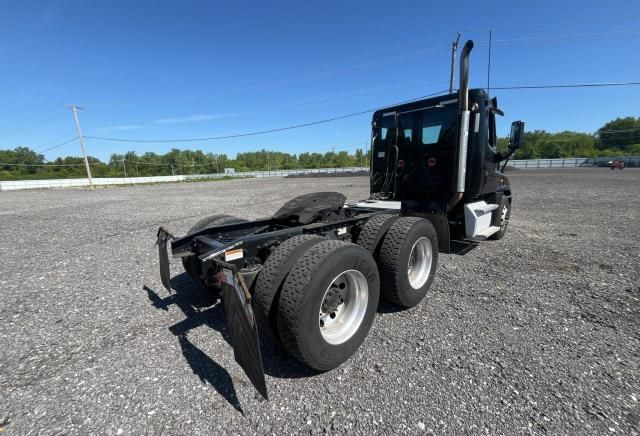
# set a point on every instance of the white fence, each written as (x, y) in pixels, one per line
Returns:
(67, 183)
(630, 161)
(573, 162)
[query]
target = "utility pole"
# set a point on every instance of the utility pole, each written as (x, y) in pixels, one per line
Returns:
(124, 166)
(364, 156)
(193, 166)
(74, 109)
(173, 172)
(454, 49)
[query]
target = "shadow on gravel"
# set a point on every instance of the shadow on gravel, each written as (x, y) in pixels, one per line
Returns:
(202, 307)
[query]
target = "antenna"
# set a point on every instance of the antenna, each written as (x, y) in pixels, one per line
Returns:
(489, 65)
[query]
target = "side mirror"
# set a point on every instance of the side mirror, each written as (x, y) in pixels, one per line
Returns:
(517, 133)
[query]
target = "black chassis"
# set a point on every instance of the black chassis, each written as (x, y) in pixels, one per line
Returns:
(235, 277)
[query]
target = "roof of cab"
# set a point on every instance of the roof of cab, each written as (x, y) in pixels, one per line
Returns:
(474, 94)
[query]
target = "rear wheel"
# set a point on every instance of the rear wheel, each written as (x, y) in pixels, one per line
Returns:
(328, 303)
(191, 264)
(408, 260)
(373, 231)
(272, 275)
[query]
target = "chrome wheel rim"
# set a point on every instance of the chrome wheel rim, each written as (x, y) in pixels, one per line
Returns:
(419, 266)
(343, 307)
(504, 217)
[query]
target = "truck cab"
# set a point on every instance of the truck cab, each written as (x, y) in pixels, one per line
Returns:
(439, 158)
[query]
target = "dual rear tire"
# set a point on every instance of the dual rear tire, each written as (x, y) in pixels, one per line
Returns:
(408, 259)
(406, 251)
(318, 298)
(328, 303)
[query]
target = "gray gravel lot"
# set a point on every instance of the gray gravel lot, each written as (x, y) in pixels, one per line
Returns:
(538, 333)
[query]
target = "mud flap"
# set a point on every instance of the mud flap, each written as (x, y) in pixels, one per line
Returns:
(242, 328)
(165, 273)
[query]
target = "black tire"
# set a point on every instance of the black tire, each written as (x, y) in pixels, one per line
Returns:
(394, 257)
(271, 278)
(303, 294)
(372, 233)
(504, 202)
(191, 264)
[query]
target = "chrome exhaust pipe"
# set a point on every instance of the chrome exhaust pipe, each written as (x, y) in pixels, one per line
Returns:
(463, 120)
(464, 76)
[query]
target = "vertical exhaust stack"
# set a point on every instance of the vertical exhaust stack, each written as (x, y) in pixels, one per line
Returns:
(463, 120)
(464, 76)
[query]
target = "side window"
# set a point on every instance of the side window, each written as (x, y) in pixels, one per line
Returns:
(431, 134)
(386, 130)
(493, 142)
(406, 126)
(438, 126)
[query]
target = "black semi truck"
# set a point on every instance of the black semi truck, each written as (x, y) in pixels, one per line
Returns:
(309, 278)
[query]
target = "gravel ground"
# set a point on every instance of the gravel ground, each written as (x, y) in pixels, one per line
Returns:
(538, 333)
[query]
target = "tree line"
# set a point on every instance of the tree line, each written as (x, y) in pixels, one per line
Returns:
(619, 137)
(24, 163)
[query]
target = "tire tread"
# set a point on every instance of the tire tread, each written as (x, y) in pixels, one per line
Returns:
(369, 234)
(271, 278)
(389, 258)
(293, 293)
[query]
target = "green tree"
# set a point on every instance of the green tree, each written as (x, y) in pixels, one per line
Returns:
(619, 134)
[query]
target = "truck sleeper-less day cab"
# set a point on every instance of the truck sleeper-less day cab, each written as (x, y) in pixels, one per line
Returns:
(309, 277)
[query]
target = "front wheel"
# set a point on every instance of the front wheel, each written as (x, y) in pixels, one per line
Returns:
(504, 211)
(328, 303)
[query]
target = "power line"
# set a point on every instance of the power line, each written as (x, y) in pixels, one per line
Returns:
(619, 130)
(262, 132)
(563, 38)
(344, 69)
(544, 26)
(328, 120)
(316, 74)
(577, 85)
(56, 146)
(27, 120)
(344, 96)
(572, 35)
(45, 165)
(40, 122)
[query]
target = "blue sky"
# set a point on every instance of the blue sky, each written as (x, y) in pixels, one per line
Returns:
(198, 68)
